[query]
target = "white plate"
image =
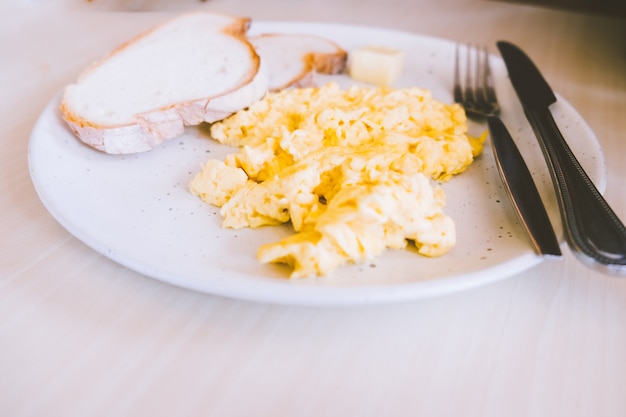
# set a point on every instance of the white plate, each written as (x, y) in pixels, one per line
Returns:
(137, 210)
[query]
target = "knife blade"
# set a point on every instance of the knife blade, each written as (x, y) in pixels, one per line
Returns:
(522, 191)
(592, 229)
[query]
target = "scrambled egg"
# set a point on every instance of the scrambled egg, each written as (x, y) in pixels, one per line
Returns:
(351, 170)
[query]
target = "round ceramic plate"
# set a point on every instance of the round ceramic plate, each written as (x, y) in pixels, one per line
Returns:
(137, 210)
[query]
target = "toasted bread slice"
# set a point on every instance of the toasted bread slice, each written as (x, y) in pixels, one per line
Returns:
(293, 59)
(195, 68)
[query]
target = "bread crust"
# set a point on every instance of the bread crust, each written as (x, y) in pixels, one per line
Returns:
(325, 58)
(152, 128)
(149, 129)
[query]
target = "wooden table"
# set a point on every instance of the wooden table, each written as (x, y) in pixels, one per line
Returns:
(83, 336)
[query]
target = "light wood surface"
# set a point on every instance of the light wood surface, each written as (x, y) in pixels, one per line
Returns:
(83, 336)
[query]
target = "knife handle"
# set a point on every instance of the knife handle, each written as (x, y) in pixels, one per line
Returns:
(593, 231)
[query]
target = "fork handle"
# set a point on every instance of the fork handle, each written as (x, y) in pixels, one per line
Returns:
(593, 231)
(518, 182)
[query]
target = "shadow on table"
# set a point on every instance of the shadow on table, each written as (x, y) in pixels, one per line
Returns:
(616, 8)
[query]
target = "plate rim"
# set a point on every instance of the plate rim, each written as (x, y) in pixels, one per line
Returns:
(273, 292)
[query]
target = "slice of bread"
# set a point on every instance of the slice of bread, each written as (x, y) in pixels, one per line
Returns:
(293, 59)
(198, 67)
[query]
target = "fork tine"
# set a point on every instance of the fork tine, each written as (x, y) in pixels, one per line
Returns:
(490, 91)
(469, 95)
(479, 83)
(476, 92)
(457, 89)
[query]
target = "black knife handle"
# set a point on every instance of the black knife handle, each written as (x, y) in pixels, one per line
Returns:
(593, 231)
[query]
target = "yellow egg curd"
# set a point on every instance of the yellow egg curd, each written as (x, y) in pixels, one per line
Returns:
(352, 170)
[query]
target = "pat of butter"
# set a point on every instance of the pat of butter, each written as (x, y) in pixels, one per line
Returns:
(376, 65)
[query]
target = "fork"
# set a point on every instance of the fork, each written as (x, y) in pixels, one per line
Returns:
(478, 97)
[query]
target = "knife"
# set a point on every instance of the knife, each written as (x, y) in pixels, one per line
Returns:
(521, 188)
(592, 229)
